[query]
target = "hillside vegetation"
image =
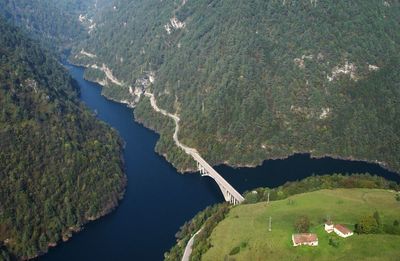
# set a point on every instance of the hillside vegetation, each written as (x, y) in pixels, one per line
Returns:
(56, 23)
(210, 218)
(259, 79)
(246, 228)
(59, 166)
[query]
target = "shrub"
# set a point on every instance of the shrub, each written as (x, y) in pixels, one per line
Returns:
(391, 229)
(234, 251)
(302, 224)
(377, 218)
(333, 242)
(367, 225)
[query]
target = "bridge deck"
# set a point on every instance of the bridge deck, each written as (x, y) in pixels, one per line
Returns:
(218, 178)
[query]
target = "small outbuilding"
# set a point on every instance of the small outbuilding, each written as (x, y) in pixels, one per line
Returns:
(329, 227)
(305, 239)
(342, 231)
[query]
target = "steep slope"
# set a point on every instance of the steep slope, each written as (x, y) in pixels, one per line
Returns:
(257, 79)
(59, 166)
(55, 23)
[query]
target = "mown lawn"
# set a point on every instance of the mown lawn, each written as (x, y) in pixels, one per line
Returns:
(247, 227)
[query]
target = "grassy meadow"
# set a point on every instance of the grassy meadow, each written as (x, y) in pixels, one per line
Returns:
(246, 227)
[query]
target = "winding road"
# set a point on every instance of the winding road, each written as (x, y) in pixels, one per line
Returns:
(188, 150)
(230, 194)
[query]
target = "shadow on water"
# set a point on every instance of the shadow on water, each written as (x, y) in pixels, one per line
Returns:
(158, 200)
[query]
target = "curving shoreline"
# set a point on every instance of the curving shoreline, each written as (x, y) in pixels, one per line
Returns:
(189, 150)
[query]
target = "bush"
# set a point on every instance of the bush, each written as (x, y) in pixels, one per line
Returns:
(4, 255)
(367, 225)
(302, 224)
(391, 229)
(235, 251)
(333, 242)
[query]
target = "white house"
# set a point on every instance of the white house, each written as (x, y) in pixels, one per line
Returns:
(342, 231)
(306, 239)
(329, 227)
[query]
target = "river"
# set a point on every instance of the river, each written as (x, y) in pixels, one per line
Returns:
(159, 200)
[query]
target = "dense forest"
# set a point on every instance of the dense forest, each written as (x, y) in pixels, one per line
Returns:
(260, 79)
(57, 24)
(209, 218)
(59, 166)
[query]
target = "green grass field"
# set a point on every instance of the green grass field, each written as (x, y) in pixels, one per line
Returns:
(246, 226)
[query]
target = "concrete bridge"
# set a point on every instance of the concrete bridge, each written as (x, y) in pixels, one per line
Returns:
(230, 194)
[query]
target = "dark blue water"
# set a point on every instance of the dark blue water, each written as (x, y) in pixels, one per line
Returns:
(158, 200)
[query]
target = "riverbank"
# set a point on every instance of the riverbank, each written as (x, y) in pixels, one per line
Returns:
(156, 189)
(72, 231)
(257, 199)
(236, 238)
(60, 166)
(188, 248)
(134, 230)
(189, 168)
(313, 156)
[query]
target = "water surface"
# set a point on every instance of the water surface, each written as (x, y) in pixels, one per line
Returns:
(159, 200)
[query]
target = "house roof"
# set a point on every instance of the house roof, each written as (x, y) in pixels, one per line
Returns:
(343, 229)
(329, 223)
(304, 238)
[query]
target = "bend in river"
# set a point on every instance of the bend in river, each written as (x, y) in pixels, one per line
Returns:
(159, 200)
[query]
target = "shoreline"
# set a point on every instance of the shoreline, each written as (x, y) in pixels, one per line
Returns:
(312, 156)
(109, 207)
(238, 166)
(71, 231)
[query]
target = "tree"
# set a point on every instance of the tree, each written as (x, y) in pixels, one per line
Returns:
(302, 224)
(4, 255)
(377, 218)
(367, 225)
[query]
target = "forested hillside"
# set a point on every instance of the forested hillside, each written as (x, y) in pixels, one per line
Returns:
(259, 79)
(57, 23)
(59, 166)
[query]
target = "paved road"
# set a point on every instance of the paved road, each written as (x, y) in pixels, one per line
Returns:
(188, 248)
(176, 119)
(193, 152)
